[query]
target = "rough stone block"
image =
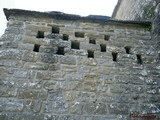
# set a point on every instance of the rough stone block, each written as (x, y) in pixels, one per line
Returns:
(69, 60)
(14, 30)
(70, 95)
(36, 66)
(28, 94)
(91, 62)
(74, 77)
(48, 58)
(26, 116)
(11, 105)
(45, 75)
(95, 108)
(33, 105)
(34, 40)
(91, 86)
(15, 23)
(30, 56)
(56, 85)
(35, 84)
(122, 98)
(121, 88)
(71, 68)
(89, 46)
(106, 98)
(42, 95)
(48, 49)
(58, 107)
(8, 92)
(101, 70)
(20, 73)
(13, 54)
(55, 95)
(118, 109)
(11, 63)
(60, 43)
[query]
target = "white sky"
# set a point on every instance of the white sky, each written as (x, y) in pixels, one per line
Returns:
(79, 7)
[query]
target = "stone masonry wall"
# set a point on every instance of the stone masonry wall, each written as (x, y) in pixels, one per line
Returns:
(55, 69)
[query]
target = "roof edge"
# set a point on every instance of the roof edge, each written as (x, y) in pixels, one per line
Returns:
(64, 16)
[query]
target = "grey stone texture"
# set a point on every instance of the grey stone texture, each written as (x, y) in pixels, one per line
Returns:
(46, 77)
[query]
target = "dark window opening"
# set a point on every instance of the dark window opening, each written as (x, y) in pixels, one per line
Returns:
(55, 30)
(92, 41)
(106, 37)
(40, 34)
(90, 54)
(103, 48)
(139, 59)
(114, 55)
(60, 51)
(65, 37)
(36, 48)
(79, 34)
(74, 44)
(127, 48)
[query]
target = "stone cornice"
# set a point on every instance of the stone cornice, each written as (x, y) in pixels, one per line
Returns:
(64, 16)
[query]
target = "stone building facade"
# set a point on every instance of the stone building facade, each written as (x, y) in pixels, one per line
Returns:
(56, 66)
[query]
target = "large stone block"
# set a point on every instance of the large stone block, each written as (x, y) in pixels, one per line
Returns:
(33, 106)
(95, 108)
(28, 94)
(13, 54)
(69, 60)
(30, 56)
(118, 109)
(36, 66)
(11, 105)
(48, 58)
(74, 77)
(56, 85)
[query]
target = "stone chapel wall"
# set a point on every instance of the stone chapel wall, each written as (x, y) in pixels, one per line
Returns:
(70, 69)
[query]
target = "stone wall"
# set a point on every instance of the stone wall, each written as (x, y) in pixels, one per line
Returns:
(65, 67)
(142, 10)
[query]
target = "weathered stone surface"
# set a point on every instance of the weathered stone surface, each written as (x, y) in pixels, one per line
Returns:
(95, 108)
(69, 60)
(118, 108)
(36, 66)
(12, 105)
(48, 58)
(56, 66)
(11, 54)
(28, 94)
(74, 77)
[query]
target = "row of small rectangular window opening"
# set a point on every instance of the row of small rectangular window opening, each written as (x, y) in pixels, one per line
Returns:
(40, 34)
(60, 51)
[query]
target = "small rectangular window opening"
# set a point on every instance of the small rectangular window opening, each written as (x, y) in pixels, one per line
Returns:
(127, 48)
(106, 37)
(40, 34)
(65, 37)
(103, 48)
(139, 59)
(60, 51)
(79, 34)
(92, 41)
(114, 55)
(36, 48)
(90, 54)
(55, 29)
(75, 44)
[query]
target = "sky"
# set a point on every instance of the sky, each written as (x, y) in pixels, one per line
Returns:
(79, 7)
